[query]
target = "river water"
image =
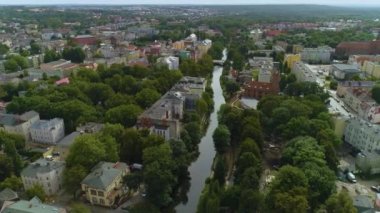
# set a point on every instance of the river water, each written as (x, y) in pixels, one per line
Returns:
(201, 168)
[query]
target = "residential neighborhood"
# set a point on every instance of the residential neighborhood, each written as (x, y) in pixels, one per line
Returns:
(189, 107)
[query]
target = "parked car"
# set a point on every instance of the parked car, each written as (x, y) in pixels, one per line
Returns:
(351, 177)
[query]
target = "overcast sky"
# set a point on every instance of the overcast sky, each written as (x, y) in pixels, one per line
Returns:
(325, 2)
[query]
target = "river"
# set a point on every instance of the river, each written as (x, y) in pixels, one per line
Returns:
(201, 168)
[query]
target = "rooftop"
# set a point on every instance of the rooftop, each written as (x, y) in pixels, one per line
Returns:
(13, 119)
(41, 166)
(47, 124)
(68, 140)
(33, 206)
(346, 68)
(103, 174)
(8, 194)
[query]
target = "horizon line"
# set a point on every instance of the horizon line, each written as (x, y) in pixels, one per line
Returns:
(189, 4)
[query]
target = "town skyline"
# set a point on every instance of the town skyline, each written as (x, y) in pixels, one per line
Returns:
(348, 3)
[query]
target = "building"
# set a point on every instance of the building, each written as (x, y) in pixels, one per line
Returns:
(33, 206)
(291, 59)
(362, 135)
(203, 47)
(256, 34)
(163, 117)
(19, 124)
(358, 60)
(178, 45)
(267, 83)
(85, 40)
(48, 174)
(48, 131)
(195, 84)
(66, 67)
(303, 72)
(7, 195)
(258, 62)
(344, 85)
(90, 127)
(171, 62)
(320, 55)
(344, 71)
(371, 68)
(297, 48)
(104, 185)
(345, 49)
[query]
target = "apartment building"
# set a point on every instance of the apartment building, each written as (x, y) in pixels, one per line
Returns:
(105, 183)
(19, 124)
(48, 131)
(48, 174)
(303, 72)
(320, 55)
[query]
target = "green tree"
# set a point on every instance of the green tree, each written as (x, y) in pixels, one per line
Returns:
(340, 203)
(36, 191)
(249, 145)
(74, 54)
(87, 151)
(220, 171)
(245, 161)
(11, 65)
(79, 208)
(12, 182)
(376, 94)
(250, 201)
(288, 192)
(221, 137)
(158, 175)
(302, 150)
(73, 176)
(146, 97)
(133, 181)
(99, 92)
(144, 207)
(51, 55)
(131, 146)
(34, 48)
(3, 49)
(124, 114)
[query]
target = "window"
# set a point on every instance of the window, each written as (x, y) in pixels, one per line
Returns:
(93, 192)
(101, 201)
(94, 200)
(48, 184)
(100, 193)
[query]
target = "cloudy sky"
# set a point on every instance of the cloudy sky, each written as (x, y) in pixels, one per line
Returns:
(325, 2)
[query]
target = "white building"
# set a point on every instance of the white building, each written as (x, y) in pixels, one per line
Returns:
(171, 62)
(48, 131)
(303, 72)
(48, 174)
(320, 55)
(256, 34)
(19, 124)
(362, 135)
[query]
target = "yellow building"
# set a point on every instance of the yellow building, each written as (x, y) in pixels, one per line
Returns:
(179, 45)
(291, 59)
(297, 48)
(105, 183)
(371, 68)
(132, 55)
